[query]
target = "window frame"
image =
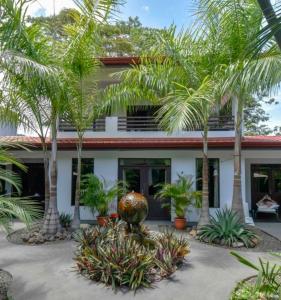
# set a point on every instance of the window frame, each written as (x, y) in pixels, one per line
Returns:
(210, 160)
(73, 181)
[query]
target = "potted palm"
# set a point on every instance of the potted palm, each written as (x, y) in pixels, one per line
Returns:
(182, 195)
(97, 195)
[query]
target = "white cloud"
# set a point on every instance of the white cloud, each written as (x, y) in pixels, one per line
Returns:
(145, 8)
(46, 7)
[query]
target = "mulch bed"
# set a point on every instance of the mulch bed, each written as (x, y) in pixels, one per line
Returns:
(16, 237)
(268, 243)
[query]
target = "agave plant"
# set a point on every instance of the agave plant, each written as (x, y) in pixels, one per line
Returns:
(182, 195)
(268, 283)
(226, 228)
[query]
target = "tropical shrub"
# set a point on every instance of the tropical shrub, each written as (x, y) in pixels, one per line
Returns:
(65, 220)
(225, 228)
(97, 195)
(170, 252)
(267, 284)
(111, 256)
(182, 195)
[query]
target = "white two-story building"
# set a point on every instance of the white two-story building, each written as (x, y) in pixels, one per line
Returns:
(131, 146)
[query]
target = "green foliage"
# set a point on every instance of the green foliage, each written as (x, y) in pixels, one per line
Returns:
(65, 220)
(24, 209)
(170, 252)
(226, 228)
(182, 195)
(111, 256)
(268, 282)
(246, 291)
(97, 194)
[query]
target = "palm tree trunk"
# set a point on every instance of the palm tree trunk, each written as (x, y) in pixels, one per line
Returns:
(76, 216)
(271, 19)
(46, 176)
(237, 200)
(51, 221)
(204, 216)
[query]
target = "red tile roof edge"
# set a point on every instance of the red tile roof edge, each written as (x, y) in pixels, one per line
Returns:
(120, 60)
(263, 142)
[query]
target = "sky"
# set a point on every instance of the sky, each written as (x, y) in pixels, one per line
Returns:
(152, 13)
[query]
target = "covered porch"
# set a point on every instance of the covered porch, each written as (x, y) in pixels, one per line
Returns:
(263, 185)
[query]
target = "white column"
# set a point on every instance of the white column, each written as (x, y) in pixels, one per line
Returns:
(184, 166)
(226, 182)
(107, 168)
(64, 166)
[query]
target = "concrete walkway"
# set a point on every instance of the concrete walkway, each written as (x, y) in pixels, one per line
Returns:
(47, 272)
(271, 228)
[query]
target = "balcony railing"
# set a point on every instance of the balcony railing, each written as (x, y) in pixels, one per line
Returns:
(98, 125)
(139, 123)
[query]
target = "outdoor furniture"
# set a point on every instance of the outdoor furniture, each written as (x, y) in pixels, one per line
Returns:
(267, 205)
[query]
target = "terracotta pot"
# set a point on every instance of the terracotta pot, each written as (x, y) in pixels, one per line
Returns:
(102, 221)
(180, 223)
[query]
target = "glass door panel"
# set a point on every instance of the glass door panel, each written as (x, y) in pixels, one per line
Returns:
(156, 176)
(261, 183)
(132, 176)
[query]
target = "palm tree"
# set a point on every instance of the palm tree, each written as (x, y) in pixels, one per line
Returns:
(274, 25)
(25, 51)
(79, 64)
(81, 108)
(180, 81)
(236, 24)
(29, 71)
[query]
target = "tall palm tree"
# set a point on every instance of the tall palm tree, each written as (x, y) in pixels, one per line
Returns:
(79, 64)
(22, 56)
(274, 24)
(236, 24)
(29, 71)
(81, 107)
(180, 81)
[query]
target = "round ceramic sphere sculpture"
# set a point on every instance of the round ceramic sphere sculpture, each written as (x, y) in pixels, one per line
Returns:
(133, 208)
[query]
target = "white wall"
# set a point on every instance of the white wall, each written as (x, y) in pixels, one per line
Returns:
(106, 166)
(7, 130)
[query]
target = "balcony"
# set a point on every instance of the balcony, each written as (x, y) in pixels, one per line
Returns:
(98, 126)
(150, 123)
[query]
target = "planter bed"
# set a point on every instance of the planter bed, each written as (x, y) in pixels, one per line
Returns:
(267, 243)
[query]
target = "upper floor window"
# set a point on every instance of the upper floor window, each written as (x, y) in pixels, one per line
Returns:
(87, 166)
(214, 173)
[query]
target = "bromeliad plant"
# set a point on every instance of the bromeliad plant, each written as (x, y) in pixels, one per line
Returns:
(226, 229)
(267, 284)
(182, 195)
(110, 255)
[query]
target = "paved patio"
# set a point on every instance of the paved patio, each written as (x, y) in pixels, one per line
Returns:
(46, 272)
(272, 228)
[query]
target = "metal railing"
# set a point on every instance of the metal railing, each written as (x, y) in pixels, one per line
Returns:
(98, 125)
(144, 123)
